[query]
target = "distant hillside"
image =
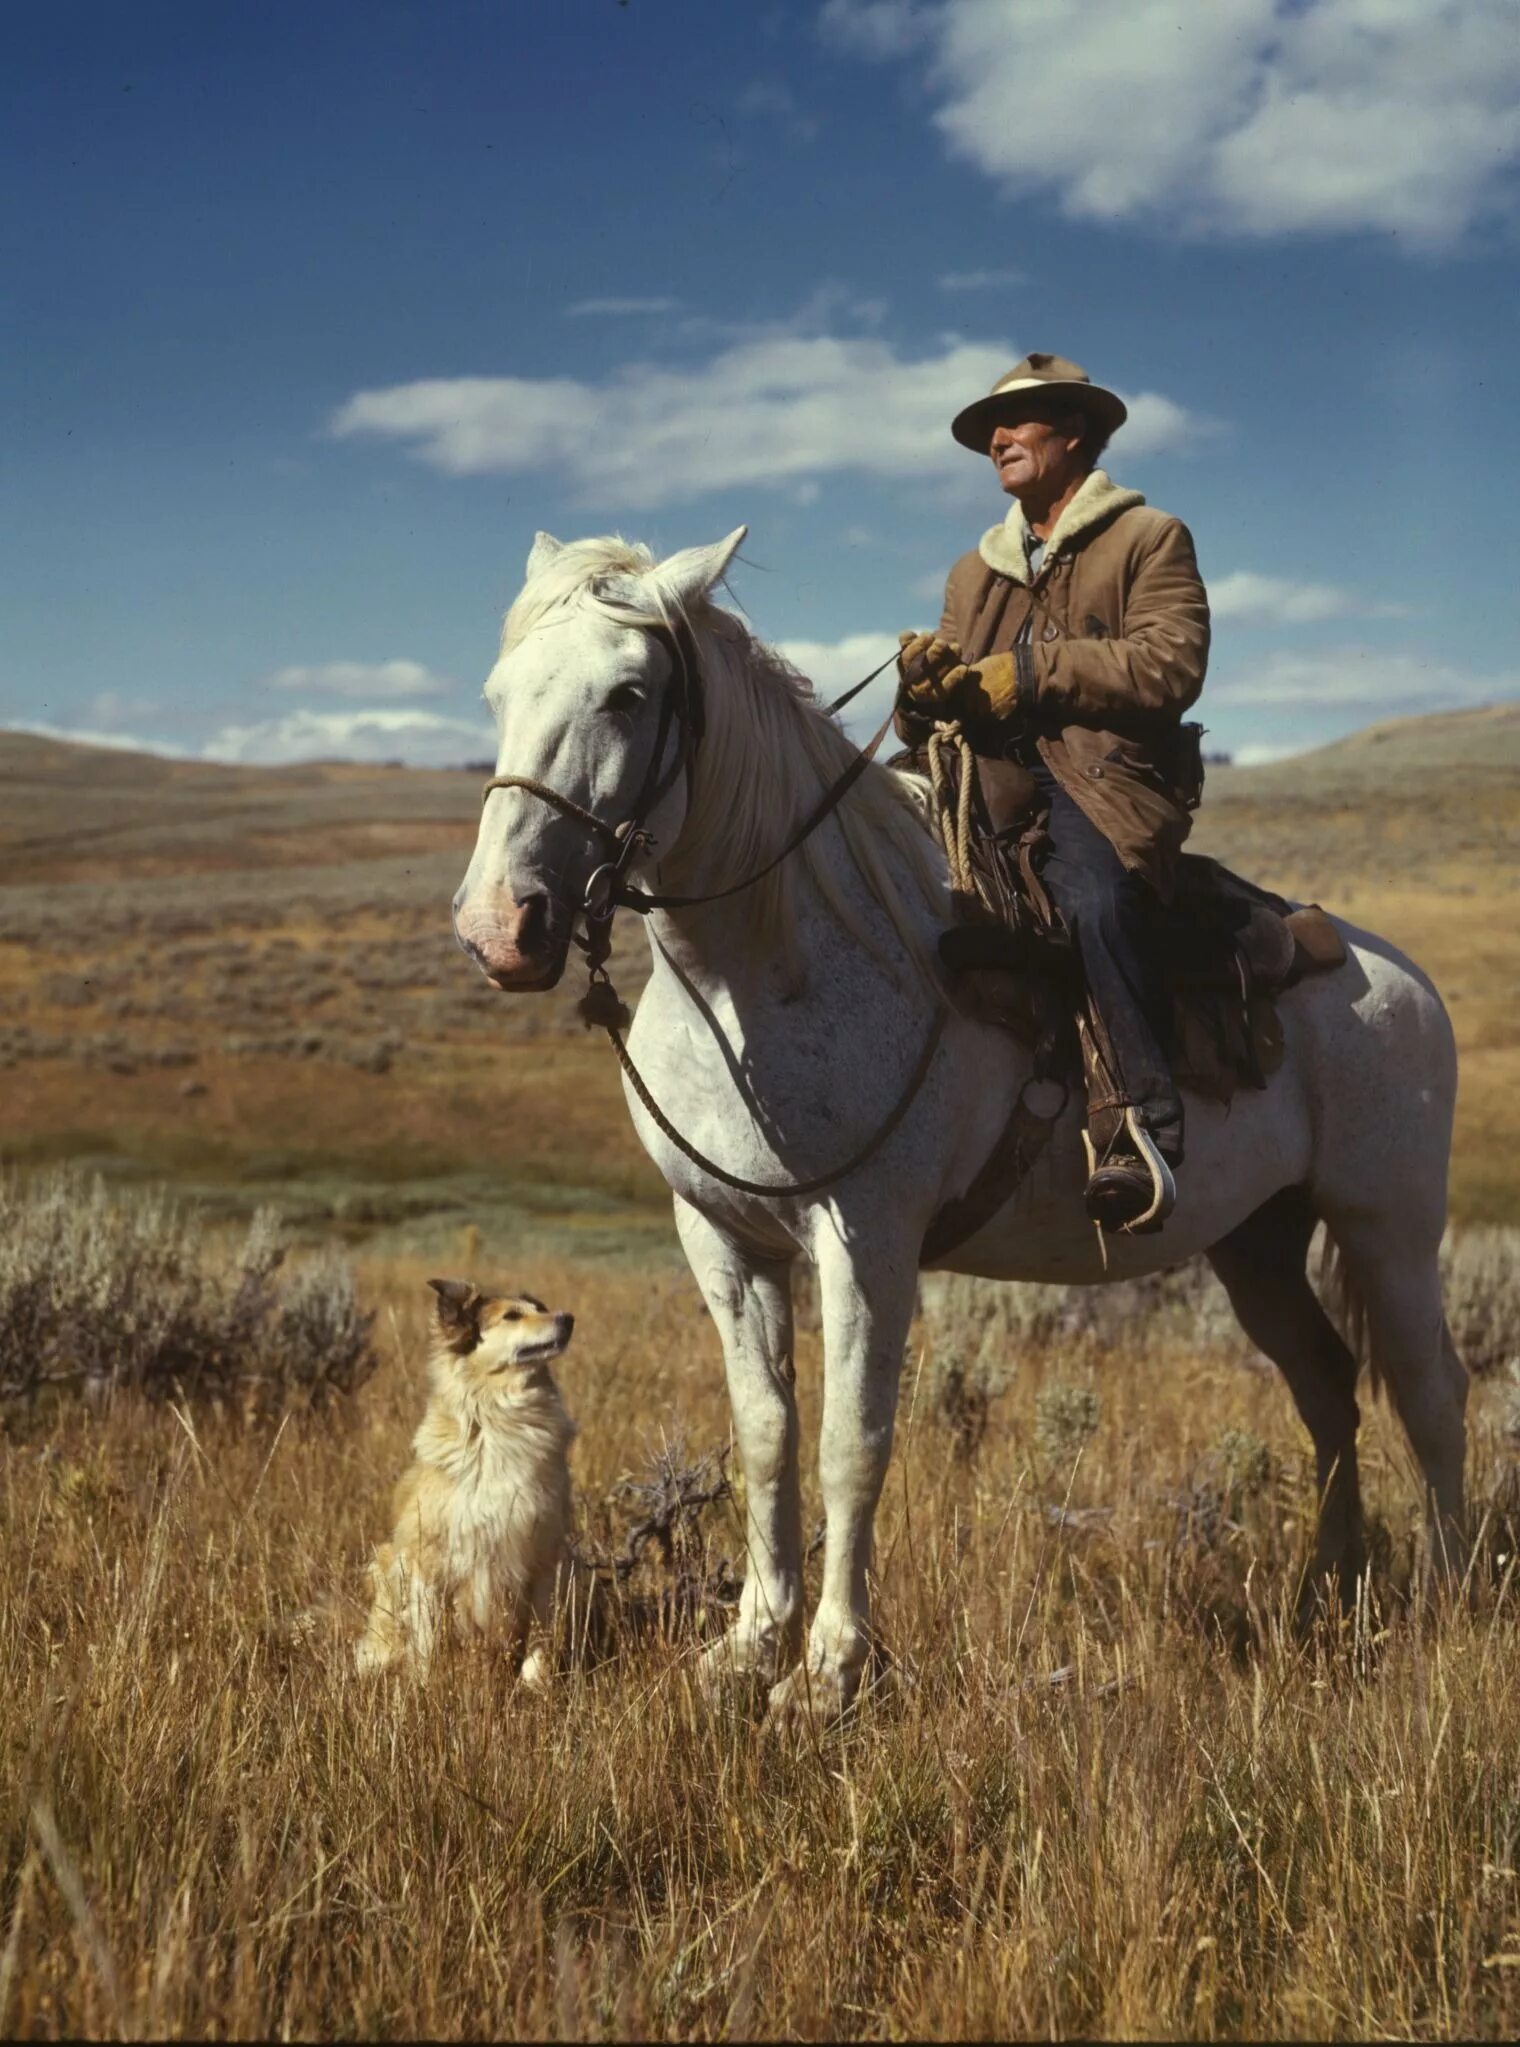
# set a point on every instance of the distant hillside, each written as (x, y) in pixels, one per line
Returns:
(245, 978)
(1484, 741)
(71, 812)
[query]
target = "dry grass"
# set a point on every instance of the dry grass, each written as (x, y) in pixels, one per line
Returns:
(1107, 1794)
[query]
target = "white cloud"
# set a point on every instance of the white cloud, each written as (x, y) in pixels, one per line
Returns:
(833, 666)
(1369, 680)
(1245, 598)
(82, 735)
(877, 28)
(779, 410)
(979, 280)
(772, 99)
(1256, 117)
(421, 738)
(374, 679)
(616, 308)
(1259, 753)
(113, 708)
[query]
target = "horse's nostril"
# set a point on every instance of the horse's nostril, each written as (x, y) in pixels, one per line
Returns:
(534, 927)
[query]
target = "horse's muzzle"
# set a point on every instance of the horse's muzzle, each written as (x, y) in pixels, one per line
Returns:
(515, 945)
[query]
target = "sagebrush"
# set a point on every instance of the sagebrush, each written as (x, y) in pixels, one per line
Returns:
(102, 1292)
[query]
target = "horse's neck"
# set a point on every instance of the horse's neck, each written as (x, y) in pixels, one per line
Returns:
(722, 949)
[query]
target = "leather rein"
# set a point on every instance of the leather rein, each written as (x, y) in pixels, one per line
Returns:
(609, 890)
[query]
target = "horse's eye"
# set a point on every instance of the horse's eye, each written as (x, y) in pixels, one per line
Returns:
(626, 697)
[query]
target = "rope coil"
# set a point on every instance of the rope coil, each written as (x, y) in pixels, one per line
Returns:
(952, 778)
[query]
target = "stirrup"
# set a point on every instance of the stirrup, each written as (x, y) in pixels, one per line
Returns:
(1163, 1187)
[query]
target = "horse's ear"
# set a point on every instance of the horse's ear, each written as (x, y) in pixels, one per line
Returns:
(693, 572)
(545, 547)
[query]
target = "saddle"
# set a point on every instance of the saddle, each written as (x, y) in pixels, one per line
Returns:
(1227, 949)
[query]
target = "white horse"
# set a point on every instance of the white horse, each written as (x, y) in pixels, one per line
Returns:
(778, 1030)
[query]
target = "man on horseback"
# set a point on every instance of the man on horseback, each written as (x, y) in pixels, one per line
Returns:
(1073, 639)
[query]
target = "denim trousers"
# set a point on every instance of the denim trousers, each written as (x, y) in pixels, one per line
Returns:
(1109, 913)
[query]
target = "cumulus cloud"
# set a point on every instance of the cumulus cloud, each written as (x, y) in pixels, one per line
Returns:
(833, 666)
(616, 308)
(1245, 598)
(1369, 680)
(1261, 753)
(978, 280)
(778, 410)
(421, 738)
(114, 708)
(85, 735)
(374, 679)
(772, 99)
(1254, 117)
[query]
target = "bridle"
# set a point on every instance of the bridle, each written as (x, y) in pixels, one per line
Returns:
(681, 705)
(609, 890)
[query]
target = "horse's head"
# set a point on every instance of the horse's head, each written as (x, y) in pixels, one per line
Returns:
(582, 694)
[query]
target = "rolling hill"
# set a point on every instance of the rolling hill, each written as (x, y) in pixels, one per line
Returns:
(244, 978)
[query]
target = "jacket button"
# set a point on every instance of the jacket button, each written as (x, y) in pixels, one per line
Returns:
(1096, 771)
(1050, 631)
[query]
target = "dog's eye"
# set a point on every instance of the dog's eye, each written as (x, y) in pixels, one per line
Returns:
(511, 1315)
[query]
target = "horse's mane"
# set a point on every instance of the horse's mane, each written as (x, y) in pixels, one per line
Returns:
(768, 752)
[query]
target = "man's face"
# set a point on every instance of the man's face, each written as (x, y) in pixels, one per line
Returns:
(1037, 454)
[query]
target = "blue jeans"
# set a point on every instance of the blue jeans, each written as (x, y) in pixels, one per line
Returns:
(1108, 911)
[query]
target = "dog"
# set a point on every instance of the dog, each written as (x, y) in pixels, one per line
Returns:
(481, 1533)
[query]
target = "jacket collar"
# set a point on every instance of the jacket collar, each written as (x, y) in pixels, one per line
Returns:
(1006, 547)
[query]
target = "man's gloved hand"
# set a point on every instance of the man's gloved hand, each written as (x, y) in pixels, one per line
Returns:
(989, 690)
(923, 661)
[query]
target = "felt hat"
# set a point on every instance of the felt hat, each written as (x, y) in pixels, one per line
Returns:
(1041, 377)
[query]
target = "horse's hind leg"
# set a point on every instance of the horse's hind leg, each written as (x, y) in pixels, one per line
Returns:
(1395, 1276)
(1261, 1266)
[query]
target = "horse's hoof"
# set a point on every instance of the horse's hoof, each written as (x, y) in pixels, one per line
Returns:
(806, 1701)
(734, 1672)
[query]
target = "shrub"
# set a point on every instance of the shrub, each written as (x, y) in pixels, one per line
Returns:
(1065, 1421)
(987, 1326)
(99, 1292)
(1480, 1269)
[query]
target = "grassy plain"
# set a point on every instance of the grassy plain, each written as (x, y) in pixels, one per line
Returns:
(1107, 1794)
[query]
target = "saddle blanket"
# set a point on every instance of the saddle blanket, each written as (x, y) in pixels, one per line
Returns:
(1227, 950)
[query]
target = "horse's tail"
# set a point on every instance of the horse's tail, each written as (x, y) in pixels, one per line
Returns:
(1346, 1308)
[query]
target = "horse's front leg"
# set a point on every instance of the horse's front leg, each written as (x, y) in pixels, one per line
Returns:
(867, 1299)
(751, 1303)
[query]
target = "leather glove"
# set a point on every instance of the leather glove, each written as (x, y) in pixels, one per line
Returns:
(923, 661)
(989, 691)
(912, 727)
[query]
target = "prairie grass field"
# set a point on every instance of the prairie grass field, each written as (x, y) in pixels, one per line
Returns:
(1103, 1787)
(1103, 1790)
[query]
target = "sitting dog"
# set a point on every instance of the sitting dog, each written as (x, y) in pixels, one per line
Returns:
(482, 1518)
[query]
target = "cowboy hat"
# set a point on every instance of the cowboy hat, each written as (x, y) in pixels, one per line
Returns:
(1036, 376)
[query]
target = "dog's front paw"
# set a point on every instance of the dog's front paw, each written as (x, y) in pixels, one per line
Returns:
(370, 1658)
(537, 1670)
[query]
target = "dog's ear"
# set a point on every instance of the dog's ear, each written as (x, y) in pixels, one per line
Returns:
(457, 1308)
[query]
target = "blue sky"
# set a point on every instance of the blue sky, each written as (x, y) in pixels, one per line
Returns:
(314, 313)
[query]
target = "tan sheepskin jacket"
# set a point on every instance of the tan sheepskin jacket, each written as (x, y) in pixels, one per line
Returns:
(1111, 641)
